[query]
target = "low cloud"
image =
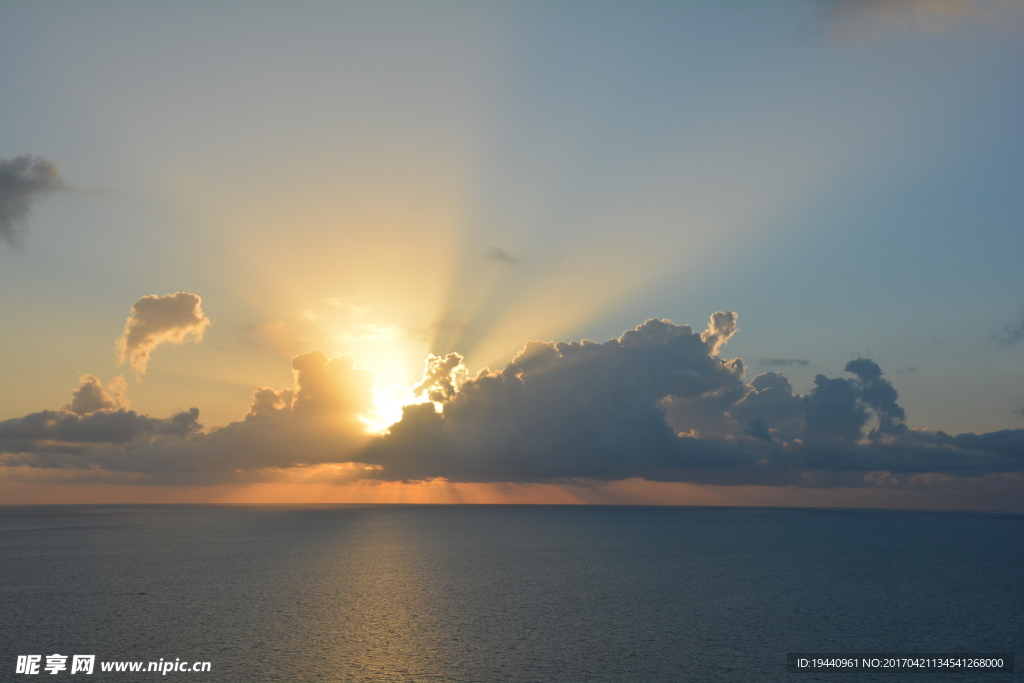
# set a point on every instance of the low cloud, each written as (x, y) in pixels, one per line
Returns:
(174, 318)
(316, 421)
(22, 180)
(65, 431)
(657, 403)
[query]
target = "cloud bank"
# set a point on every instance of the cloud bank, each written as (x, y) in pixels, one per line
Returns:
(658, 403)
(175, 319)
(316, 421)
(22, 179)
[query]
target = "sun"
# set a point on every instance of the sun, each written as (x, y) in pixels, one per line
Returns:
(393, 357)
(386, 408)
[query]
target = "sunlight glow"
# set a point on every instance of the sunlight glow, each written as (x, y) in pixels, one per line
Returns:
(387, 407)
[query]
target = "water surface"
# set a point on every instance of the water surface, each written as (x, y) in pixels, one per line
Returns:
(504, 593)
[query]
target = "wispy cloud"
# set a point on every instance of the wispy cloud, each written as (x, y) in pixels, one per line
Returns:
(277, 335)
(783, 362)
(1011, 333)
(499, 255)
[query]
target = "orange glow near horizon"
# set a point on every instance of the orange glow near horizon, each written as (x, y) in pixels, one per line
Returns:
(441, 492)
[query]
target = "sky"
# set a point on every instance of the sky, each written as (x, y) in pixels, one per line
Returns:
(665, 253)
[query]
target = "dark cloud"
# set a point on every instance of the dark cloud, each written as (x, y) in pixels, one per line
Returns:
(22, 179)
(878, 394)
(783, 362)
(499, 255)
(155, 320)
(102, 426)
(770, 409)
(833, 411)
(759, 430)
(837, 409)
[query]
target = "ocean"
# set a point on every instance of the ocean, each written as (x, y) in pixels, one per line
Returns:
(503, 593)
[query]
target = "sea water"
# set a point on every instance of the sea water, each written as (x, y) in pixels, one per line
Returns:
(503, 593)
